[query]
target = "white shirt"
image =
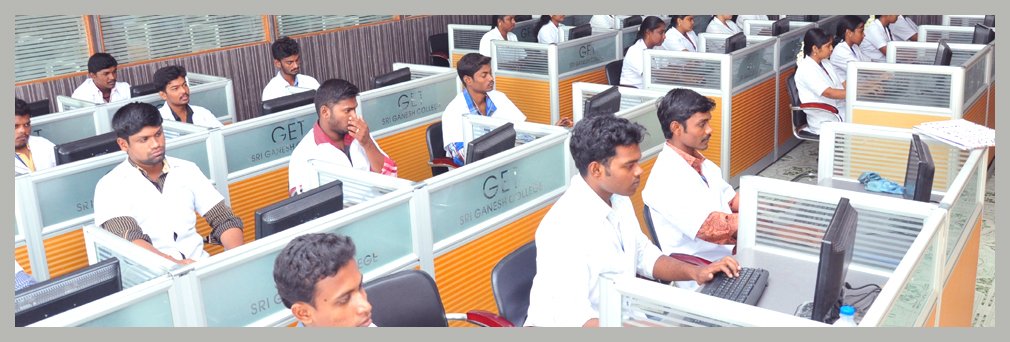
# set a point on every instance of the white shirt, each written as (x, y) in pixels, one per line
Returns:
(493, 34)
(453, 124)
(876, 38)
(842, 54)
(681, 201)
(675, 41)
(741, 19)
(316, 145)
(43, 155)
(549, 33)
(904, 28)
(716, 26)
(88, 91)
(278, 87)
(634, 66)
(200, 117)
(580, 238)
(811, 81)
(125, 191)
(606, 22)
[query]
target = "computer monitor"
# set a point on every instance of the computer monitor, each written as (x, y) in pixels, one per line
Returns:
(983, 35)
(919, 171)
(989, 21)
(497, 140)
(736, 42)
(780, 26)
(51, 297)
(811, 18)
(580, 31)
(943, 53)
(324, 200)
(289, 101)
(86, 148)
(142, 89)
(38, 108)
(397, 76)
(606, 102)
(836, 253)
(631, 21)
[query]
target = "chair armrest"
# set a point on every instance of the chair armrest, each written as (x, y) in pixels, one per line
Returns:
(690, 259)
(440, 54)
(481, 318)
(817, 106)
(443, 161)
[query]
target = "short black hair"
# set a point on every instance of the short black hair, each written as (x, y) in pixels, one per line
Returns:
(167, 74)
(470, 63)
(21, 107)
(496, 17)
(133, 117)
(100, 61)
(679, 105)
(597, 138)
(284, 47)
(334, 90)
(305, 261)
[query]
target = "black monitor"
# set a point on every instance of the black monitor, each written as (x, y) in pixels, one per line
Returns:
(522, 18)
(142, 89)
(86, 148)
(606, 102)
(51, 297)
(836, 253)
(989, 21)
(780, 26)
(289, 101)
(304, 207)
(580, 31)
(983, 35)
(811, 18)
(489, 144)
(631, 21)
(919, 171)
(397, 76)
(943, 53)
(38, 108)
(736, 42)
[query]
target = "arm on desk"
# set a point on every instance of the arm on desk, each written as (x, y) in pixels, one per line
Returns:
(670, 269)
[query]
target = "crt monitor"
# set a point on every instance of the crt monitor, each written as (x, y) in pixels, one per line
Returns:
(324, 200)
(780, 26)
(142, 89)
(51, 297)
(580, 31)
(86, 148)
(631, 21)
(919, 171)
(989, 20)
(38, 108)
(943, 53)
(983, 35)
(736, 42)
(606, 102)
(397, 76)
(289, 101)
(836, 253)
(489, 144)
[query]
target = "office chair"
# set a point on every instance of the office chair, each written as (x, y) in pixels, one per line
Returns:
(39, 108)
(690, 259)
(438, 49)
(614, 72)
(437, 160)
(511, 281)
(142, 89)
(410, 299)
(800, 118)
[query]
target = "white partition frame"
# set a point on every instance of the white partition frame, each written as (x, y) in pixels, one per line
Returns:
(456, 31)
(956, 96)
(953, 34)
(65, 103)
(962, 20)
(428, 76)
(199, 83)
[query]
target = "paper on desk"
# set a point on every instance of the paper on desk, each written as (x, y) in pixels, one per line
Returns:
(960, 133)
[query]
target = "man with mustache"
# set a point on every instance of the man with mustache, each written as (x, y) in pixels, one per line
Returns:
(174, 89)
(101, 85)
(287, 61)
(31, 153)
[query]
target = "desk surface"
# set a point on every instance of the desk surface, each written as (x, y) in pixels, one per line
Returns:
(844, 184)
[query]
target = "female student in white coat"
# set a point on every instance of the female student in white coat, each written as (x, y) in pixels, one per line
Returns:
(681, 36)
(722, 23)
(817, 81)
(651, 34)
(549, 29)
(849, 36)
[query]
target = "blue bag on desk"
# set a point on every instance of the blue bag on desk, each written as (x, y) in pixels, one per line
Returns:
(873, 182)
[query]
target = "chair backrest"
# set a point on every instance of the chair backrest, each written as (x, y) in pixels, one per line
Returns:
(614, 72)
(436, 148)
(143, 89)
(799, 116)
(511, 280)
(438, 42)
(406, 299)
(652, 228)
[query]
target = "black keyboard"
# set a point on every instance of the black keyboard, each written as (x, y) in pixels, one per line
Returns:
(747, 288)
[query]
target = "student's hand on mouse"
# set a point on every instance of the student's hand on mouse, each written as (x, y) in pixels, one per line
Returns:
(358, 128)
(726, 265)
(565, 122)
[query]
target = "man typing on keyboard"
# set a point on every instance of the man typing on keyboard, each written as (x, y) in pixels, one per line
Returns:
(592, 230)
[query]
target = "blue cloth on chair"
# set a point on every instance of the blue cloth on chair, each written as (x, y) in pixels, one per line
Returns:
(875, 183)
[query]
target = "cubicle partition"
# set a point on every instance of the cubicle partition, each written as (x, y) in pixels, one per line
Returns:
(67, 126)
(65, 103)
(953, 34)
(216, 94)
(962, 20)
(790, 50)
(464, 39)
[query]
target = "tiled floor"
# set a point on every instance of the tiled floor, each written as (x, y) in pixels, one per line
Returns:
(803, 158)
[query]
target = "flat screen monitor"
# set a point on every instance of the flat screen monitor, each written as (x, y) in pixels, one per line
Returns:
(606, 102)
(630, 21)
(86, 148)
(736, 42)
(324, 200)
(289, 101)
(989, 20)
(489, 144)
(580, 31)
(51, 297)
(836, 253)
(943, 53)
(919, 171)
(38, 108)
(397, 76)
(983, 35)
(142, 89)
(780, 26)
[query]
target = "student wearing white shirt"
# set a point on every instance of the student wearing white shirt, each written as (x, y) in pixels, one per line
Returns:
(592, 230)
(101, 85)
(651, 34)
(878, 33)
(605, 22)
(500, 30)
(287, 61)
(149, 199)
(722, 23)
(743, 18)
(849, 36)
(817, 81)
(174, 89)
(31, 153)
(905, 29)
(681, 36)
(549, 29)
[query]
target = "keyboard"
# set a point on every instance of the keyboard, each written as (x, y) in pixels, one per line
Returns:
(747, 288)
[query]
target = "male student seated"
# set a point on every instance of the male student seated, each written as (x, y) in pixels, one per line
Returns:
(31, 153)
(339, 136)
(173, 88)
(592, 229)
(101, 85)
(318, 278)
(149, 199)
(693, 208)
(287, 60)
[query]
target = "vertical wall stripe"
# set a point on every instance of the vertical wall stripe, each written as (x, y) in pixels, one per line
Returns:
(753, 118)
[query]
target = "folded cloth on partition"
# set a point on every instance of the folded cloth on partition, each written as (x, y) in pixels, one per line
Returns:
(874, 182)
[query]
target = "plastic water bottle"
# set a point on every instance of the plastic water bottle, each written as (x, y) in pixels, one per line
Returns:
(846, 316)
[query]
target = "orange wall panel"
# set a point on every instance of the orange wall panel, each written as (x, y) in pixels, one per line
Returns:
(409, 149)
(636, 200)
(753, 118)
(714, 151)
(957, 300)
(254, 193)
(891, 119)
(533, 97)
(598, 76)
